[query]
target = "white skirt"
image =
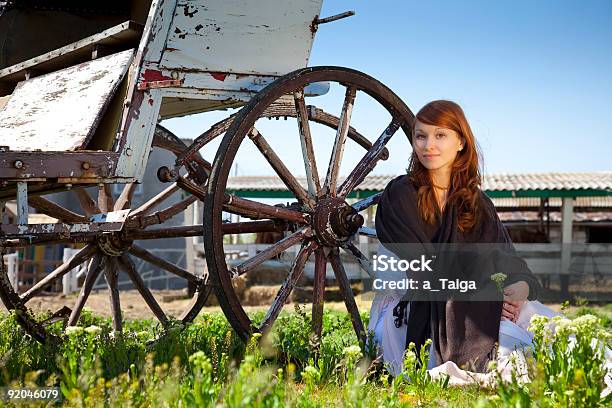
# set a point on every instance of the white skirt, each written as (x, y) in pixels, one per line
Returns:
(513, 339)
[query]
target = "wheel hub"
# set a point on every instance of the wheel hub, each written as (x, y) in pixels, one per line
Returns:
(334, 221)
(113, 244)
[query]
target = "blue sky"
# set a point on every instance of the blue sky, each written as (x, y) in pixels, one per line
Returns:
(533, 77)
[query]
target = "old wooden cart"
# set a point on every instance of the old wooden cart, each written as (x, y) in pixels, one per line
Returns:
(86, 114)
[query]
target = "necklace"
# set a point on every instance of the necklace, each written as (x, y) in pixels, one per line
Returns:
(441, 188)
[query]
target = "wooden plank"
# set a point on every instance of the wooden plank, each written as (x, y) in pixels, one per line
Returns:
(73, 165)
(267, 37)
(124, 35)
(61, 110)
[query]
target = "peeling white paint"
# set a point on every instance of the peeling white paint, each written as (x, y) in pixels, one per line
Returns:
(57, 111)
(266, 37)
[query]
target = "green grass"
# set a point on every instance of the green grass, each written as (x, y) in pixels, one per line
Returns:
(207, 365)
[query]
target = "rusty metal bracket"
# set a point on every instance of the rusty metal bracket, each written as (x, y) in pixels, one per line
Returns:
(169, 83)
(334, 17)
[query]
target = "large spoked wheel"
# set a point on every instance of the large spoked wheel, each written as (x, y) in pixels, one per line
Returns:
(320, 222)
(105, 254)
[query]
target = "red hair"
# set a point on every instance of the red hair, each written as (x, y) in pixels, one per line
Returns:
(465, 179)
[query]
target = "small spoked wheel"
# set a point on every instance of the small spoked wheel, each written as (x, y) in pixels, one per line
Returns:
(318, 225)
(104, 254)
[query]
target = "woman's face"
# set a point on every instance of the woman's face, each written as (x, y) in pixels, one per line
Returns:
(436, 147)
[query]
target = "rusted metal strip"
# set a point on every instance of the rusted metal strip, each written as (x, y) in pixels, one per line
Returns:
(368, 161)
(310, 163)
(318, 291)
(145, 255)
(367, 202)
(333, 169)
(168, 83)
(347, 294)
(128, 266)
(72, 263)
(271, 251)
(93, 271)
(287, 286)
(54, 210)
(280, 168)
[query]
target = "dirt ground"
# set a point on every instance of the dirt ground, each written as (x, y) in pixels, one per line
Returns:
(173, 302)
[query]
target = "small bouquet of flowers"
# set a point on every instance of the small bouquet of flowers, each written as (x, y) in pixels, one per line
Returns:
(499, 279)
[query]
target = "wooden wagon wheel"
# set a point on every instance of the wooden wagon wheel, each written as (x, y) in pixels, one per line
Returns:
(106, 254)
(321, 221)
(142, 218)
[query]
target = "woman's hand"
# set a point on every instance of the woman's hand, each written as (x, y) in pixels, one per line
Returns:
(514, 297)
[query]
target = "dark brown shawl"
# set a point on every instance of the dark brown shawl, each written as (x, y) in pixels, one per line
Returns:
(462, 331)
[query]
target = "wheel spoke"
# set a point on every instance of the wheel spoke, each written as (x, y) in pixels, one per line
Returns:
(368, 161)
(105, 198)
(155, 201)
(128, 266)
(205, 138)
(333, 169)
(93, 271)
(88, 205)
(347, 294)
(159, 217)
(310, 163)
(367, 202)
(287, 286)
(111, 274)
(54, 210)
(125, 198)
(318, 291)
(280, 168)
(262, 210)
(248, 227)
(271, 251)
(361, 259)
(244, 207)
(162, 263)
(84, 254)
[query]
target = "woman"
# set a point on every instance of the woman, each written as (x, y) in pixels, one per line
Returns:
(440, 201)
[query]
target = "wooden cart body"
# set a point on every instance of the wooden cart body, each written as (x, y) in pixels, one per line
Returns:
(86, 113)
